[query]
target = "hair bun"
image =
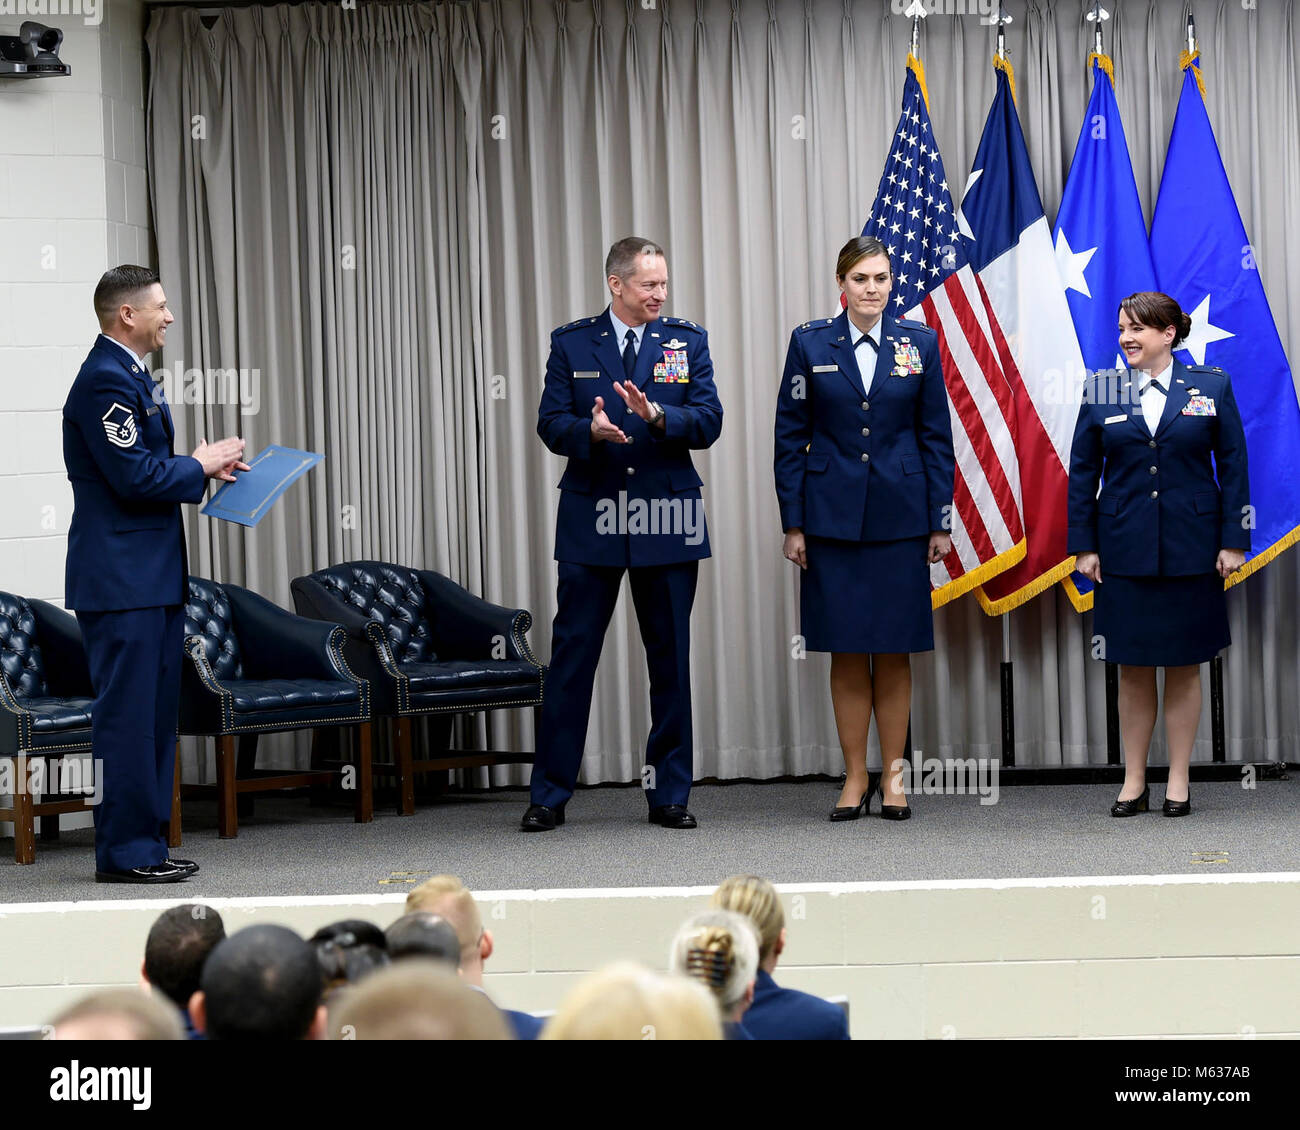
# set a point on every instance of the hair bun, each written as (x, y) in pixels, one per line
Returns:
(712, 956)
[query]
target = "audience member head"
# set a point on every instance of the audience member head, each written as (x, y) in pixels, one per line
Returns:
(261, 983)
(417, 999)
(719, 948)
(757, 900)
(627, 1001)
(448, 897)
(118, 1014)
(347, 951)
(178, 944)
(424, 935)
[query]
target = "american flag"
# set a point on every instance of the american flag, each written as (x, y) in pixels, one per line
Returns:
(914, 217)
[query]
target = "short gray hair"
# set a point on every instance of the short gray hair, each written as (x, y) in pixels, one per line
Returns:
(625, 256)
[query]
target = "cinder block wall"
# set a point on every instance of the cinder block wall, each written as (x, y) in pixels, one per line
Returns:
(1163, 956)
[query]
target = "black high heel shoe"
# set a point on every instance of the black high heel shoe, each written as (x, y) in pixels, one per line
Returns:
(1178, 807)
(853, 812)
(894, 811)
(1132, 807)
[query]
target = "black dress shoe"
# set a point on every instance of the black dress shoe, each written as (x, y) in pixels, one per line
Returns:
(895, 812)
(539, 818)
(1132, 807)
(863, 807)
(672, 816)
(155, 873)
(1178, 807)
(185, 864)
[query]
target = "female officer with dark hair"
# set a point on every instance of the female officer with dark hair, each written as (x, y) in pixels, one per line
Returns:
(1165, 530)
(864, 477)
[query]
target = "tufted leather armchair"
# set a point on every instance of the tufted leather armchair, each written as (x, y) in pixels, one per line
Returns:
(428, 647)
(45, 701)
(254, 668)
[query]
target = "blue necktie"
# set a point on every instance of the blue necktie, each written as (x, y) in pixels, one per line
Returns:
(629, 354)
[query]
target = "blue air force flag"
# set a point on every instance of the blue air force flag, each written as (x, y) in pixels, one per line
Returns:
(1101, 243)
(1203, 259)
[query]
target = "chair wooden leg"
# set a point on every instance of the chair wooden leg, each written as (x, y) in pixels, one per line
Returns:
(405, 774)
(227, 809)
(50, 824)
(174, 825)
(24, 830)
(245, 763)
(365, 799)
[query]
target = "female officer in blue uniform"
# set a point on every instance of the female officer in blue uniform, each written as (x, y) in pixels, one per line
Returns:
(864, 477)
(1167, 532)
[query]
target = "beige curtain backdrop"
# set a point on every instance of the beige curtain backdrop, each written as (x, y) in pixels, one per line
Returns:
(386, 211)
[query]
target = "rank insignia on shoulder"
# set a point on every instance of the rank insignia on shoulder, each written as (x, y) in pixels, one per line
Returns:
(119, 426)
(679, 322)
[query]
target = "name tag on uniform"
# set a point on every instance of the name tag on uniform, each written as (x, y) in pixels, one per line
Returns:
(1199, 406)
(1114, 419)
(153, 411)
(586, 376)
(826, 368)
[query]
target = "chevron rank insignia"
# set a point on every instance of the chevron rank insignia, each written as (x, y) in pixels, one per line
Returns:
(119, 426)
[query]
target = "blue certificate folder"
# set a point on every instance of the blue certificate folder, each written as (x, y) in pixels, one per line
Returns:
(250, 497)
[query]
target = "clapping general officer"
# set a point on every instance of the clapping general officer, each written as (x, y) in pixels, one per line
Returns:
(864, 477)
(629, 395)
(126, 569)
(1165, 530)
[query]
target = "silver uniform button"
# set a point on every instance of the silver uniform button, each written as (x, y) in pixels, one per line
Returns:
(1152, 469)
(631, 439)
(631, 470)
(865, 457)
(865, 406)
(1151, 443)
(1155, 494)
(866, 431)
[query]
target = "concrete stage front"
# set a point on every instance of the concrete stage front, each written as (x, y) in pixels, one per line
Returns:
(1039, 915)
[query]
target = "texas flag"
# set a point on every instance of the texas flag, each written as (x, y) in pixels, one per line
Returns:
(1010, 247)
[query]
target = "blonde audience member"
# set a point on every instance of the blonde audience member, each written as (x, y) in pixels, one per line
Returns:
(449, 898)
(119, 1014)
(776, 1013)
(419, 999)
(627, 1001)
(719, 949)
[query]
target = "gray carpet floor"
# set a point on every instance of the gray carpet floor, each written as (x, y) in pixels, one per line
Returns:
(289, 847)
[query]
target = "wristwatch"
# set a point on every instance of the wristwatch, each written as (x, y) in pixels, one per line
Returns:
(659, 412)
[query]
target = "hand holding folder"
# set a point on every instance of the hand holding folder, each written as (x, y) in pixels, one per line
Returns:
(247, 499)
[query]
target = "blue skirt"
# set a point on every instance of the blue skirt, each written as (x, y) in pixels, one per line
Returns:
(1160, 621)
(866, 596)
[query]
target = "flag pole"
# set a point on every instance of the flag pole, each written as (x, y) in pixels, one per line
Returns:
(1218, 733)
(1006, 670)
(917, 11)
(1097, 16)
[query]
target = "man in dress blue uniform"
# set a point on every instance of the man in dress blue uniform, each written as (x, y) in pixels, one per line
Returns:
(126, 569)
(629, 501)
